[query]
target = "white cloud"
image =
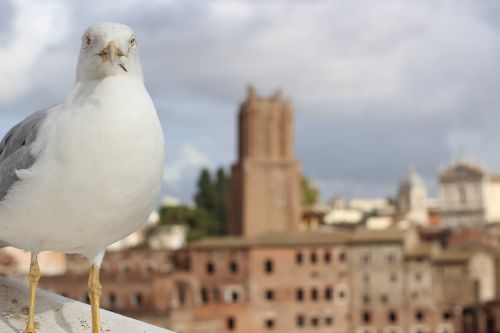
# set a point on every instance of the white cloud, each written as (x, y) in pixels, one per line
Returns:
(378, 84)
(36, 25)
(190, 159)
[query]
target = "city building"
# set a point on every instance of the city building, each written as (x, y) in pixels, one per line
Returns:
(270, 275)
(469, 196)
(412, 199)
(265, 181)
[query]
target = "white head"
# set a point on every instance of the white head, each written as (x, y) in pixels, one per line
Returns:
(108, 49)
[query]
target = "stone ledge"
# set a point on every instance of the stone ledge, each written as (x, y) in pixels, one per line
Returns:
(57, 314)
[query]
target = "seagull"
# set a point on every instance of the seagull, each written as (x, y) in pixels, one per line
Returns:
(78, 176)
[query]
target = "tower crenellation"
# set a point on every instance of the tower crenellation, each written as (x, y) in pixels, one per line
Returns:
(265, 181)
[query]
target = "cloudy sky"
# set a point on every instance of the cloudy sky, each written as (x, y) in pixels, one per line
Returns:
(376, 85)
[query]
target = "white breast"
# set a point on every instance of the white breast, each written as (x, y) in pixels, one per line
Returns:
(100, 171)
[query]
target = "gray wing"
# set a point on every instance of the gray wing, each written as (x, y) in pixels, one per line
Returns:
(16, 150)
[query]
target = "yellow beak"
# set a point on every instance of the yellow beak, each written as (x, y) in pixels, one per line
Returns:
(111, 52)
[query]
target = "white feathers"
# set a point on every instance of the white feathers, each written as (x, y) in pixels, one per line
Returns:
(99, 170)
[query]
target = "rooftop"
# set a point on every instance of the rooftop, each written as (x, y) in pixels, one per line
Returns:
(369, 236)
(457, 256)
(421, 250)
(287, 239)
(306, 238)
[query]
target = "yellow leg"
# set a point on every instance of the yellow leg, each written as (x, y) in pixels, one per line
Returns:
(33, 277)
(95, 289)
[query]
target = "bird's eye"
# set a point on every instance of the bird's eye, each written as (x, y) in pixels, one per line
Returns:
(88, 40)
(132, 41)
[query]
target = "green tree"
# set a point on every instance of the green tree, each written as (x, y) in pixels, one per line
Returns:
(310, 193)
(205, 196)
(220, 209)
(172, 215)
(209, 217)
(198, 221)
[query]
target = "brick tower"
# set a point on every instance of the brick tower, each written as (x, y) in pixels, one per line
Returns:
(265, 181)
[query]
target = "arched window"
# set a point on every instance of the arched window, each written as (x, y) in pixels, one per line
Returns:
(462, 195)
(136, 299)
(210, 268)
(299, 258)
(328, 293)
(233, 267)
(181, 294)
(299, 295)
(231, 323)
(300, 320)
(367, 317)
(111, 300)
(268, 266)
(314, 294)
(204, 295)
(313, 257)
(393, 317)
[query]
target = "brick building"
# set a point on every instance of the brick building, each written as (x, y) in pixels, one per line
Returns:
(265, 181)
(270, 277)
(368, 281)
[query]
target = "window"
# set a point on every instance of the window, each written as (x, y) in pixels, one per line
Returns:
(181, 294)
(136, 299)
(366, 278)
(151, 267)
(269, 295)
(366, 317)
(418, 276)
(111, 300)
(341, 294)
(462, 195)
(327, 256)
(328, 320)
(299, 294)
(126, 267)
(235, 296)
(204, 295)
(299, 258)
(268, 266)
(342, 256)
(393, 317)
(216, 295)
(269, 323)
(313, 257)
(366, 299)
(447, 315)
(230, 323)
(328, 293)
(365, 258)
(300, 320)
(210, 268)
(314, 321)
(391, 258)
(314, 294)
(233, 267)
(419, 315)
(384, 298)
